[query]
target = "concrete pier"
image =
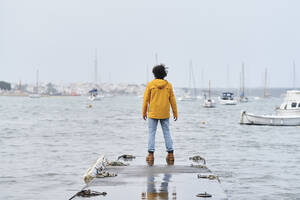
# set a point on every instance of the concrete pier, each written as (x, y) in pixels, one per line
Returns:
(157, 182)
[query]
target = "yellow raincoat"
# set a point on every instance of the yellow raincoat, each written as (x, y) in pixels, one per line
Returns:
(159, 95)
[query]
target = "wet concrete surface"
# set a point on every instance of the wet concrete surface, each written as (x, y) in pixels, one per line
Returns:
(156, 182)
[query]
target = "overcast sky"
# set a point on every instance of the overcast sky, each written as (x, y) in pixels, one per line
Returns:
(59, 38)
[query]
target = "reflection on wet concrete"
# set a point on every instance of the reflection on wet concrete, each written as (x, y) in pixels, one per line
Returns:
(163, 192)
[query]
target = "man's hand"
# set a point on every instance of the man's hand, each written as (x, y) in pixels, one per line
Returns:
(175, 118)
(145, 117)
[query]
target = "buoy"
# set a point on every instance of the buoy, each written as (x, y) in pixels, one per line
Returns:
(203, 122)
(204, 195)
(89, 106)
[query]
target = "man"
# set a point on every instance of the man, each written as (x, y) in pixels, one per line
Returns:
(158, 97)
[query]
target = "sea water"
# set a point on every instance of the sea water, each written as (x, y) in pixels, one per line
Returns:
(47, 144)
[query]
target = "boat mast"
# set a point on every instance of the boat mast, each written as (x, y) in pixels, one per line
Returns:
(266, 78)
(96, 68)
(37, 81)
(202, 79)
(192, 82)
(227, 76)
(243, 79)
(294, 75)
(240, 84)
(209, 89)
(190, 76)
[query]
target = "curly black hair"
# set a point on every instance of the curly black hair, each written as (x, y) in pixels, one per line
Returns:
(160, 71)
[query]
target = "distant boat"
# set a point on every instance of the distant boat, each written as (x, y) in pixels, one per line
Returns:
(190, 95)
(36, 94)
(288, 114)
(256, 98)
(242, 97)
(94, 94)
(186, 97)
(266, 93)
(227, 98)
(208, 102)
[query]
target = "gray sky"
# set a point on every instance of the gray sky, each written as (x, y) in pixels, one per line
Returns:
(59, 38)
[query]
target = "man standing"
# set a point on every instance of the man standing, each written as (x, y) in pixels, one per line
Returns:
(158, 97)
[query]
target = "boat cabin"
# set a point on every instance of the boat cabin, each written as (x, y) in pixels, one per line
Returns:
(93, 92)
(291, 101)
(227, 96)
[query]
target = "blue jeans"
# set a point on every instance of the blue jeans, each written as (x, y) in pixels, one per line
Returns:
(152, 125)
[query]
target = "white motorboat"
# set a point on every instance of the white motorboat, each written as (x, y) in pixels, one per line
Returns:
(94, 96)
(227, 98)
(291, 104)
(35, 96)
(288, 114)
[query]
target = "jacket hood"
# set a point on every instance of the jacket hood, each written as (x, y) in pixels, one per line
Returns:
(160, 83)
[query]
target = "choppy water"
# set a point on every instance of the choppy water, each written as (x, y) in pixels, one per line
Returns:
(47, 144)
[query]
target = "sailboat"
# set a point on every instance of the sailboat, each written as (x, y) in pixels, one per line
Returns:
(36, 94)
(208, 102)
(94, 93)
(243, 98)
(266, 93)
(190, 95)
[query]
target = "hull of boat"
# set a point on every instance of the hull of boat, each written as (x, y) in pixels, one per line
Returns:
(209, 104)
(187, 99)
(95, 98)
(271, 120)
(35, 96)
(290, 112)
(227, 102)
(243, 100)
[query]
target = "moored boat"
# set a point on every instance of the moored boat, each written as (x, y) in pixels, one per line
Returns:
(94, 96)
(227, 98)
(209, 102)
(291, 104)
(288, 114)
(242, 98)
(36, 94)
(272, 120)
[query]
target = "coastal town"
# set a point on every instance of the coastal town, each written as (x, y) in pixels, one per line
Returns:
(70, 89)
